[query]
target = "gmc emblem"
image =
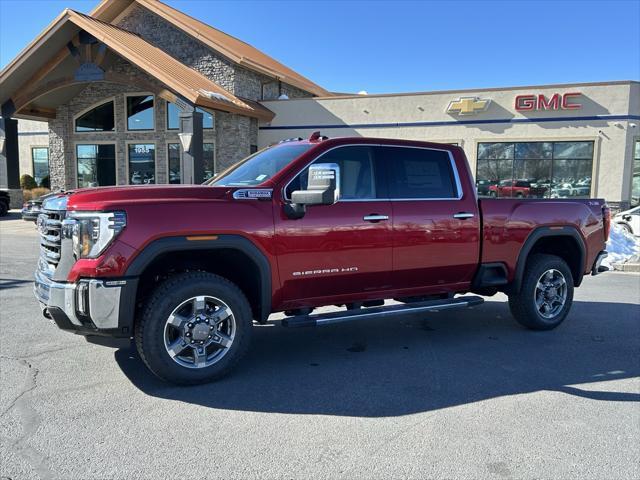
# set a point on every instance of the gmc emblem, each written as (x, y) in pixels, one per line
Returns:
(558, 101)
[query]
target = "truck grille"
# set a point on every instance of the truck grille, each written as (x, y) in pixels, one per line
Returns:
(50, 229)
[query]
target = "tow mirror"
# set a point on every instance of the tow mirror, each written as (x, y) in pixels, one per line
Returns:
(323, 188)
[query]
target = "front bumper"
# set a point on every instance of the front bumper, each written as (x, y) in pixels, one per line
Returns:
(30, 215)
(88, 307)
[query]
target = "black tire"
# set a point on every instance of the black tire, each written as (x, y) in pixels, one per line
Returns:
(4, 208)
(523, 304)
(626, 227)
(149, 329)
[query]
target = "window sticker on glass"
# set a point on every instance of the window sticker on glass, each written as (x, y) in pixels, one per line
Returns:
(259, 178)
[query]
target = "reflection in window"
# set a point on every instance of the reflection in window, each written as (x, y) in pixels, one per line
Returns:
(535, 169)
(140, 112)
(173, 117)
(635, 185)
(174, 163)
(96, 165)
(98, 119)
(142, 163)
(208, 158)
(40, 159)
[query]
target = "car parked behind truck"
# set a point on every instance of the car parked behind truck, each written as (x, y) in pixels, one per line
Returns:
(185, 270)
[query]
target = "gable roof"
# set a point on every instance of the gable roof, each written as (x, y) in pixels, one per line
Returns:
(240, 52)
(183, 80)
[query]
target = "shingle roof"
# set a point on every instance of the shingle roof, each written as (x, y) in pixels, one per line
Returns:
(178, 77)
(233, 48)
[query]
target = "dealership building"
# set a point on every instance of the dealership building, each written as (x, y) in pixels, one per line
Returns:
(137, 92)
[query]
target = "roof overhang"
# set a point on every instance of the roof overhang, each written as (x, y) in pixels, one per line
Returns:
(24, 77)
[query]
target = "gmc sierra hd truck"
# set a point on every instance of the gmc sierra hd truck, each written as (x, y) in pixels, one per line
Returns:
(185, 270)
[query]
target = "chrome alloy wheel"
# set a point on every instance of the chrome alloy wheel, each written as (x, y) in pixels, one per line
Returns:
(551, 294)
(199, 332)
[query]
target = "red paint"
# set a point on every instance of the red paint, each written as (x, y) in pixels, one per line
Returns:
(331, 255)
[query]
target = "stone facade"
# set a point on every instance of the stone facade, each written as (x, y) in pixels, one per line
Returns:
(233, 135)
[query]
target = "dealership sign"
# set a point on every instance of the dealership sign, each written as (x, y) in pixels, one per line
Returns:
(557, 101)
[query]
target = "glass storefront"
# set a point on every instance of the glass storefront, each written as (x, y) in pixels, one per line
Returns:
(208, 158)
(174, 163)
(534, 169)
(96, 165)
(142, 163)
(40, 159)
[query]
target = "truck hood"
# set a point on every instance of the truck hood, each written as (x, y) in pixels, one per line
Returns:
(117, 197)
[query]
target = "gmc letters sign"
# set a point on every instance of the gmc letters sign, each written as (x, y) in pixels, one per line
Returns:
(558, 101)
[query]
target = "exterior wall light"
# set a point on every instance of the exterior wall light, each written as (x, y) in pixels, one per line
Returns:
(185, 140)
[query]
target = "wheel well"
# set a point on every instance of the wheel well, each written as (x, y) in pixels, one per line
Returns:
(565, 247)
(230, 263)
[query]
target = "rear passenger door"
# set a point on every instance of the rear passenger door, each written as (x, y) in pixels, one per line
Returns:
(436, 225)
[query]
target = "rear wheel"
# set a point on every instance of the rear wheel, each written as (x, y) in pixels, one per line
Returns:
(194, 329)
(546, 293)
(4, 208)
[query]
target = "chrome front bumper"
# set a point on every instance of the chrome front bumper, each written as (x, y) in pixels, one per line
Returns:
(88, 303)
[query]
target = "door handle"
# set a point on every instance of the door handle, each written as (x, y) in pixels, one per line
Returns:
(463, 215)
(375, 218)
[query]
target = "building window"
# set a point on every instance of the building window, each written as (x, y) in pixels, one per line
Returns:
(174, 163)
(535, 169)
(635, 185)
(142, 163)
(98, 119)
(253, 149)
(209, 160)
(96, 165)
(173, 117)
(40, 159)
(140, 112)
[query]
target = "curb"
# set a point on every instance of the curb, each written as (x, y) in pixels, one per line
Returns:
(626, 267)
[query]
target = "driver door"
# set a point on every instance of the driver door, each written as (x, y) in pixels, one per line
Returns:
(341, 250)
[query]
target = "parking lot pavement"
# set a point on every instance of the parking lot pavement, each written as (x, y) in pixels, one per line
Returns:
(468, 394)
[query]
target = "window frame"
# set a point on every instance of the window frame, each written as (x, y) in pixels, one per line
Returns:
(111, 100)
(378, 163)
(95, 142)
(155, 159)
(126, 112)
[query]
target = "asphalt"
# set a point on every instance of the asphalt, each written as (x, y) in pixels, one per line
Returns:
(465, 394)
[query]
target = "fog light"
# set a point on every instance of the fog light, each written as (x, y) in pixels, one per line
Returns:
(81, 298)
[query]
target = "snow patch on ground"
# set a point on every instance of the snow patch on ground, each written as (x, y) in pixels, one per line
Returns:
(621, 246)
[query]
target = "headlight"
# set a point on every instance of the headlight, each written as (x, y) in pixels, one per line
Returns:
(92, 232)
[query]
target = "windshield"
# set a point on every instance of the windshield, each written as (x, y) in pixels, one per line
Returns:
(260, 166)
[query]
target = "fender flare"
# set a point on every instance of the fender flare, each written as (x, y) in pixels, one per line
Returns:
(546, 232)
(235, 242)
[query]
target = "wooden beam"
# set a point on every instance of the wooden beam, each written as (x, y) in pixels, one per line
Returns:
(37, 112)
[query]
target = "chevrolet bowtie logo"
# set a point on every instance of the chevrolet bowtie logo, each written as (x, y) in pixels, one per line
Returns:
(468, 105)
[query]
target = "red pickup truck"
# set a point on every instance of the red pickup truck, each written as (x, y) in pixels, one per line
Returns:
(185, 270)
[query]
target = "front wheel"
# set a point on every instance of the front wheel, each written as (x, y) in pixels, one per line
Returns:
(546, 294)
(194, 329)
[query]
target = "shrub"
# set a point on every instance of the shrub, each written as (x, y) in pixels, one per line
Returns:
(34, 193)
(46, 182)
(27, 182)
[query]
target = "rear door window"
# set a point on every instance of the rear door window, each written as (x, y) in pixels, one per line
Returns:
(419, 173)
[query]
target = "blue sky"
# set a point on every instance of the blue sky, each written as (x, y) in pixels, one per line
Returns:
(399, 46)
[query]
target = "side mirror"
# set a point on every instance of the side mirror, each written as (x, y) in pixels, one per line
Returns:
(323, 188)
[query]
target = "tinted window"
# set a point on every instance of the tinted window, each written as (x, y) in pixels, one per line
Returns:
(142, 163)
(419, 173)
(173, 117)
(99, 119)
(96, 165)
(357, 180)
(140, 112)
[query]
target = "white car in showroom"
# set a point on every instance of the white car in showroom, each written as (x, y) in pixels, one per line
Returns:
(629, 220)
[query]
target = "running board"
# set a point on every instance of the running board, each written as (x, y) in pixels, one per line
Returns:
(381, 312)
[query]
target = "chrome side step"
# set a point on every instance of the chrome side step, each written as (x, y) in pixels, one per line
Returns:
(380, 312)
